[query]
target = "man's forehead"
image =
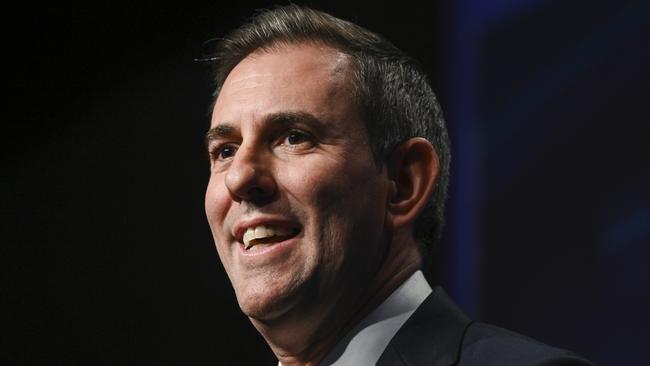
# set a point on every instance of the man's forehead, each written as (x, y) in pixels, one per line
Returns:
(289, 59)
(298, 75)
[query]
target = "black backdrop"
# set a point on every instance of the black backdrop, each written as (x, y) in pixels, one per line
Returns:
(106, 256)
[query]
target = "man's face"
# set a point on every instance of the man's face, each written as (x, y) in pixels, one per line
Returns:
(295, 201)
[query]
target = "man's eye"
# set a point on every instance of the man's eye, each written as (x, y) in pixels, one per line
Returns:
(224, 152)
(296, 138)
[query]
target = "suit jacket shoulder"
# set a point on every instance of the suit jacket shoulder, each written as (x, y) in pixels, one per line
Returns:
(439, 333)
(486, 344)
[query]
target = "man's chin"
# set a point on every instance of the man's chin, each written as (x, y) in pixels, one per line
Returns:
(265, 311)
(269, 297)
(265, 308)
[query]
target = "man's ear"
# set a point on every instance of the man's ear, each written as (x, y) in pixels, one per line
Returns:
(412, 169)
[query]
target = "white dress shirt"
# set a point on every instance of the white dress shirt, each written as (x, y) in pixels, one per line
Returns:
(365, 343)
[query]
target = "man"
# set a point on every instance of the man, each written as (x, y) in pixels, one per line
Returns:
(329, 169)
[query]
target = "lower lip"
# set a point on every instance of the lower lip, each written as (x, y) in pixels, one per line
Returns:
(269, 250)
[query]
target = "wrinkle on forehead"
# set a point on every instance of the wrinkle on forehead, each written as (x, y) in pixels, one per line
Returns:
(249, 81)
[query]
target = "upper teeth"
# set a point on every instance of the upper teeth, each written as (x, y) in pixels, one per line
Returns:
(260, 232)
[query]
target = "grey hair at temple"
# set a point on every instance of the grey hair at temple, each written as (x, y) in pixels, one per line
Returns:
(394, 95)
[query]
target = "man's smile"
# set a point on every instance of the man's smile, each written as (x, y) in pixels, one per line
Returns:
(255, 235)
(266, 235)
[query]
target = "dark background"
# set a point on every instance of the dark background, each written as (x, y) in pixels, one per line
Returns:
(107, 258)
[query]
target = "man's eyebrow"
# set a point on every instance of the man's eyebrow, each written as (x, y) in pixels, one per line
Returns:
(219, 131)
(279, 119)
(288, 118)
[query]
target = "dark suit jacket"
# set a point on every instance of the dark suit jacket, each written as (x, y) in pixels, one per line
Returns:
(439, 333)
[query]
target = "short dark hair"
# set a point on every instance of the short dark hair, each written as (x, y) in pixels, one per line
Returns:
(394, 95)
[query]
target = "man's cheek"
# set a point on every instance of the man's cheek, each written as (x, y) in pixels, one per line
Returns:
(217, 205)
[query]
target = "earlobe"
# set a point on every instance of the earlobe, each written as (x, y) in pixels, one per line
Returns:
(413, 170)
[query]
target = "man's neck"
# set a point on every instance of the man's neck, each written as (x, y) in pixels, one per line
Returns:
(366, 342)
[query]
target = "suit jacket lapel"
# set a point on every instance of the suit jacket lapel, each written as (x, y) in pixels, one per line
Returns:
(431, 336)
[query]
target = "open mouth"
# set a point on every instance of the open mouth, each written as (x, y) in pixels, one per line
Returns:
(265, 235)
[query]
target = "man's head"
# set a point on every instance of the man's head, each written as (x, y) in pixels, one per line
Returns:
(392, 91)
(317, 171)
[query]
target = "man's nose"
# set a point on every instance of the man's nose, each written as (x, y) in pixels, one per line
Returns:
(249, 177)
